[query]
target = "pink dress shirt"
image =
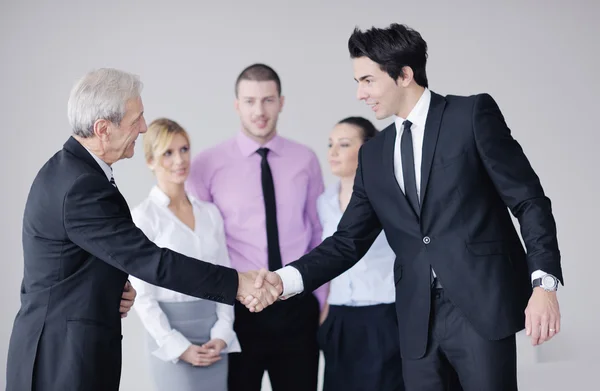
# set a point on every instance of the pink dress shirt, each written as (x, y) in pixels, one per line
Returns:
(229, 176)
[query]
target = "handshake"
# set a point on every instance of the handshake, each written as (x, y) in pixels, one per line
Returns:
(259, 289)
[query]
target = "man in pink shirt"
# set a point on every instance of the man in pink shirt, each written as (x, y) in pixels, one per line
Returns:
(266, 188)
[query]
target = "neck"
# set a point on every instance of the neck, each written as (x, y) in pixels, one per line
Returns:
(261, 140)
(175, 192)
(413, 94)
(346, 184)
(94, 145)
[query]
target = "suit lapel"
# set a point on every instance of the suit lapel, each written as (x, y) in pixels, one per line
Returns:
(430, 138)
(388, 165)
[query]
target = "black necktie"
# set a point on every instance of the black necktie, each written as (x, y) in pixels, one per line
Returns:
(112, 179)
(408, 167)
(270, 210)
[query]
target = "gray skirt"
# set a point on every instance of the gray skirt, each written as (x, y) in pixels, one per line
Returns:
(194, 320)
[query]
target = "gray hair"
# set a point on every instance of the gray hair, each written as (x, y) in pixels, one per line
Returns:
(101, 94)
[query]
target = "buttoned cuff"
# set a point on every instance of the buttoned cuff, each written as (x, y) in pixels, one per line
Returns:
(292, 281)
(171, 347)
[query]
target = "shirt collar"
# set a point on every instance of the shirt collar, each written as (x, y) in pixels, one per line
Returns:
(248, 146)
(332, 195)
(103, 165)
(161, 199)
(418, 115)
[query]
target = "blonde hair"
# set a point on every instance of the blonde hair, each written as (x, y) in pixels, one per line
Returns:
(159, 135)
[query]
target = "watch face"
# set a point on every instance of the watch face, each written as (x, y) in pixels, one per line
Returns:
(548, 282)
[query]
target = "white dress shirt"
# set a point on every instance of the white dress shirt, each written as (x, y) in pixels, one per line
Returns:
(205, 242)
(418, 117)
(371, 280)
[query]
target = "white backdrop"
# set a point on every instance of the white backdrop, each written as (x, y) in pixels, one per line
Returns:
(538, 59)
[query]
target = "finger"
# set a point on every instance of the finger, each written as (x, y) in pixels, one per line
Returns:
(126, 303)
(557, 325)
(527, 323)
(252, 303)
(535, 329)
(123, 315)
(260, 278)
(248, 300)
(544, 329)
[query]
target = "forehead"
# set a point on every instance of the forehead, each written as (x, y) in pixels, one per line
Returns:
(257, 89)
(134, 106)
(345, 131)
(364, 66)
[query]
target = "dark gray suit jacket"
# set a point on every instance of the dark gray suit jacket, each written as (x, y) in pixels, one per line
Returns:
(79, 246)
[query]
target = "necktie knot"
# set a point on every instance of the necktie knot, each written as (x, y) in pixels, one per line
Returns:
(263, 152)
(407, 124)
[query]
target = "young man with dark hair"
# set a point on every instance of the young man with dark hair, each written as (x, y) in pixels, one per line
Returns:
(266, 188)
(441, 181)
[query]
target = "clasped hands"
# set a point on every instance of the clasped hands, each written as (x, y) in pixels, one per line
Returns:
(259, 289)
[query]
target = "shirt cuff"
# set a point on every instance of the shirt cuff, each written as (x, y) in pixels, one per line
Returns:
(537, 274)
(292, 281)
(171, 347)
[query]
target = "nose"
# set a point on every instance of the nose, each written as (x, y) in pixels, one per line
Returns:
(143, 126)
(333, 151)
(178, 159)
(360, 94)
(259, 109)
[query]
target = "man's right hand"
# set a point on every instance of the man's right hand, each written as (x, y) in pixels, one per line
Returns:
(259, 289)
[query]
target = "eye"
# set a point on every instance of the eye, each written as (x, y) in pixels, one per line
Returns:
(329, 145)
(168, 153)
(344, 145)
(185, 149)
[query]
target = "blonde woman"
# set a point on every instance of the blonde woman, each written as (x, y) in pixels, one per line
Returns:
(188, 338)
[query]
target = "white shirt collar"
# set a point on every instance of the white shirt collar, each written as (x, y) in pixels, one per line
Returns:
(418, 115)
(103, 165)
(160, 198)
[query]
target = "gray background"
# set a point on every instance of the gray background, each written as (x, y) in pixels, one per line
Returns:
(538, 59)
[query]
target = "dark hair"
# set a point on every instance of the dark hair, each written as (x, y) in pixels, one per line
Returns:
(258, 72)
(392, 48)
(366, 127)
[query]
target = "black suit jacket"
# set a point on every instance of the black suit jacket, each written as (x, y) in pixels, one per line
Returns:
(472, 169)
(79, 245)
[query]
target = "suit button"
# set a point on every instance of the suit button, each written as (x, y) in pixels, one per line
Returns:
(426, 240)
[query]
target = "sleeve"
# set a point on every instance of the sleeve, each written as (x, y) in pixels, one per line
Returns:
(223, 327)
(171, 343)
(197, 183)
(518, 185)
(356, 232)
(97, 219)
(315, 190)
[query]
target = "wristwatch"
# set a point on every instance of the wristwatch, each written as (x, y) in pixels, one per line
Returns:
(548, 282)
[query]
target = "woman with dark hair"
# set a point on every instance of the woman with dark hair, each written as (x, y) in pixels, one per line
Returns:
(359, 331)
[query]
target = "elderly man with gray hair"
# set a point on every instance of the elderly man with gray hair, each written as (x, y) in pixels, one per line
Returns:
(80, 244)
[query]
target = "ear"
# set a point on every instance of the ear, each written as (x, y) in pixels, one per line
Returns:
(101, 128)
(236, 105)
(150, 163)
(281, 102)
(406, 78)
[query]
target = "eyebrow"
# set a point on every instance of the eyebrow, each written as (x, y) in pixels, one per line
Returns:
(254, 97)
(363, 77)
(138, 117)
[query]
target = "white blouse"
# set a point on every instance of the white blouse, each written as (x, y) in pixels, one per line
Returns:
(371, 280)
(207, 243)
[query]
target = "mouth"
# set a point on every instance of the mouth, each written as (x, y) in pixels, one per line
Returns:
(180, 171)
(373, 106)
(261, 123)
